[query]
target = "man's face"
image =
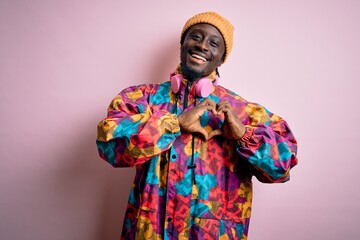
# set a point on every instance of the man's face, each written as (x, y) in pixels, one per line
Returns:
(202, 51)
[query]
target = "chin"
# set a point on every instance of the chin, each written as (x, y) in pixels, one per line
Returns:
(190, 73)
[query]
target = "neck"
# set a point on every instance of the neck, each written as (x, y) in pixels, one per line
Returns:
(190, 74)
(193, 76)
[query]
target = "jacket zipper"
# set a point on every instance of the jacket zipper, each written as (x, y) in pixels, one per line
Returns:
(192, 165)
(186, 95)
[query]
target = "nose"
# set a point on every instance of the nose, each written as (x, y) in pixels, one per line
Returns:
(203, 45)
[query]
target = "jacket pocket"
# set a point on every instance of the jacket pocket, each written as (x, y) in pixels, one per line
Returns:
(207, 228)
(149, 225)
(236, 212)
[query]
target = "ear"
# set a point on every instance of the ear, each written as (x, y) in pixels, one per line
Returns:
(222, 61)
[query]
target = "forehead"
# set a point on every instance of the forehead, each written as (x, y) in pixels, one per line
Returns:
(206, 28)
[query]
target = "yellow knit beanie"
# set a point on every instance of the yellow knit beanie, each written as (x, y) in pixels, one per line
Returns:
(218, 21)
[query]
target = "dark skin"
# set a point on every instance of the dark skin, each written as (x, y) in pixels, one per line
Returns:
(202, 52)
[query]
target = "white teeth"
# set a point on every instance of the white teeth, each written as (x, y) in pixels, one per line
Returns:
(199, 57)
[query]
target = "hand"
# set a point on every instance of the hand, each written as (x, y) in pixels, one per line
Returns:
(232, 128)
(190, 120)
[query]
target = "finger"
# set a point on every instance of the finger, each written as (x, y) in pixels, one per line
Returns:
(208, 101)
(202, 109)
(223, 103)
(227, 110)
(204, 133)
(198, 111)
(209, 104)
(214, 133)
(223, 107)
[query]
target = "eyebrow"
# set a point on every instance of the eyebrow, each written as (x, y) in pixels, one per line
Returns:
(198, 29)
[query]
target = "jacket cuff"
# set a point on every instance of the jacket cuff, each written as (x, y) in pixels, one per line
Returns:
(245, 139)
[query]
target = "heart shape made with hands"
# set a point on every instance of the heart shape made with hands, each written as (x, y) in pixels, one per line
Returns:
(202, 119)
(211, 123)
(211, 119)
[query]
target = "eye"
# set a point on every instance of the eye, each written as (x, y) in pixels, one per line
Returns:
(196, 37)
(214, 43)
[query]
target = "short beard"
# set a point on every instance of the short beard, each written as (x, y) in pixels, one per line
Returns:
(190, 74)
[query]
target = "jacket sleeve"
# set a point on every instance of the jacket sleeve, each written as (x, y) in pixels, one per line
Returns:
(268, 145)
(133, 132)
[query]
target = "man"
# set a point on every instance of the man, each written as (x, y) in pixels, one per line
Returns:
(195, 145)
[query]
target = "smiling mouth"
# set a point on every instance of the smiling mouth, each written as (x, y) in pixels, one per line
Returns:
(196, 56)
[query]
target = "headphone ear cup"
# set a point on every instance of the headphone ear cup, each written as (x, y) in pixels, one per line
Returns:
(175, 82)
(203, 87)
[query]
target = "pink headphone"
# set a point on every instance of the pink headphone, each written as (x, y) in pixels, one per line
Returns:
(203, 87)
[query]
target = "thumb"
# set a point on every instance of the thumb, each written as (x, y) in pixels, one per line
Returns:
(204, 133)
(214, 133)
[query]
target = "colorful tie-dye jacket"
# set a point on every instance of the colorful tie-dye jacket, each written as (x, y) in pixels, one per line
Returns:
(185, 187)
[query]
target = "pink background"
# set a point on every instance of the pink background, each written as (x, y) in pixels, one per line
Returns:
(61, 62)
